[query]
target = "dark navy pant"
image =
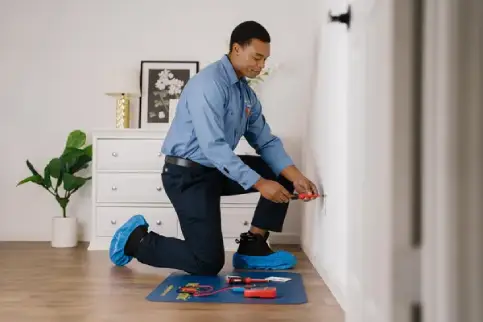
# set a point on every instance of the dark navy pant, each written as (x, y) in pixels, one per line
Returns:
(195, 194)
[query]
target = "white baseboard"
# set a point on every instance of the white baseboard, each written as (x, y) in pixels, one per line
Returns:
(331, 282)
(284, 238)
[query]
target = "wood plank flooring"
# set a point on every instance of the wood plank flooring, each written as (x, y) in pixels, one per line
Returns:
(42, 284)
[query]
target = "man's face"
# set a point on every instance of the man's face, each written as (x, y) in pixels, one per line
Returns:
(251, 58)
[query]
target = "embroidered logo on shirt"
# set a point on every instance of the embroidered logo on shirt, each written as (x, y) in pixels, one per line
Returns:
(248, 106)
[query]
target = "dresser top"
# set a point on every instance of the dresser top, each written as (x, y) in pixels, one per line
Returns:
(131, 134)
(128, 133)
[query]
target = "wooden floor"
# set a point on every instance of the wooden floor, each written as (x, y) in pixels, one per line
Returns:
(38, 283)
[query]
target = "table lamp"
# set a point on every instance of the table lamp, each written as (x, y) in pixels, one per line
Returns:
(123, 108)
(125, 85)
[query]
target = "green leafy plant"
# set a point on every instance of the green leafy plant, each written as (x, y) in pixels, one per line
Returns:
(60, 177)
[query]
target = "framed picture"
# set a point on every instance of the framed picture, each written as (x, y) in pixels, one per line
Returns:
(161, 85)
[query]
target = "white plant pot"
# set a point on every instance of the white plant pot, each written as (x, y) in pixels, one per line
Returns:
(64, 232)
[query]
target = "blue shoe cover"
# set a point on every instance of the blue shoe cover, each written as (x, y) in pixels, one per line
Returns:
(116, 250)
(278, 260)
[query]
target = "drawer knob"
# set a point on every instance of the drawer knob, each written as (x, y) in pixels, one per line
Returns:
(245, 223)
(114, 154)
(159, 154)
(113, 221)
(158, 188)
(114, 188)
(158, 222)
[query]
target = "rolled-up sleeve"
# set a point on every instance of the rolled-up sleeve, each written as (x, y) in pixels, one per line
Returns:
(267, 145)
(206, 106)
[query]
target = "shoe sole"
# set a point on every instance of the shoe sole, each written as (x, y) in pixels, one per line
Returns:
(277, 260)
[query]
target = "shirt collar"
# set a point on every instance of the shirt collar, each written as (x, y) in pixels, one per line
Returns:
(225, 61)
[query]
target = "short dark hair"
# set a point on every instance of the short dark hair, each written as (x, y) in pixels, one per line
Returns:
(246, 31)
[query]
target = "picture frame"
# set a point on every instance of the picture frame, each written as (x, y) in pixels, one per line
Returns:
(162, 82)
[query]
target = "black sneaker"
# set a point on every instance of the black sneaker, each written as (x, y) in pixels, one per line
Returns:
(255, 253)
(267, 234)
(253, 245)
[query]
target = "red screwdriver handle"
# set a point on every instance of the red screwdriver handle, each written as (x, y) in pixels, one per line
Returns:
(304, 195)
(249, 280)
(244, 280)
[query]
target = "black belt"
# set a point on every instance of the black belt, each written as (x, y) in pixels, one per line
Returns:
(182, 162)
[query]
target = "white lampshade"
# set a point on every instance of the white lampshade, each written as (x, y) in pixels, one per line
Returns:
(120, 81)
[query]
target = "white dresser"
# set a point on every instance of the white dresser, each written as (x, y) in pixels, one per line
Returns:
(126, 180)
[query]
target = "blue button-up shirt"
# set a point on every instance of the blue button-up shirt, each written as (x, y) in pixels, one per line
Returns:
(215, 109)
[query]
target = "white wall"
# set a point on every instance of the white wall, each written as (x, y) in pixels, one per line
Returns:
(362, 153)
(324, 222)
(58, 58)
(324, 226)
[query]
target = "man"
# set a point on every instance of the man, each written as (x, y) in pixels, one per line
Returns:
(215, 109)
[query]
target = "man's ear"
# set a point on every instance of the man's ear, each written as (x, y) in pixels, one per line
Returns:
(236, 48)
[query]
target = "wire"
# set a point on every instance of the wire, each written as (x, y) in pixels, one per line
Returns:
(226, 288)
(207, 290)
(214, 292)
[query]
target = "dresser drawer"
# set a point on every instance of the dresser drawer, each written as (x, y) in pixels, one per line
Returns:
(130, 187)
(129, 154)
(235, 221)
(161, 220)
(247, 198)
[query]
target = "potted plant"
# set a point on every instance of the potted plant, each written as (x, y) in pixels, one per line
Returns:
(61, 180)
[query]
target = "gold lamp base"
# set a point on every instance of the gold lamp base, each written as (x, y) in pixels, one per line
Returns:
(123, 111)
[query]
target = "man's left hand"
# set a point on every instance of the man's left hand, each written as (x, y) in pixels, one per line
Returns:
(305, 186)
(300, 182)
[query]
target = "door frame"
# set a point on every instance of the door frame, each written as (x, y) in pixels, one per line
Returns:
(452, 177)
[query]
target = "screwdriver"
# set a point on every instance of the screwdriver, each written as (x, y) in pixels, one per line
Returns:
(244, 280)
(304, 195)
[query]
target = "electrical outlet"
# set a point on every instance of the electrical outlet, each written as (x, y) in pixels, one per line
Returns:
(322, 199)
(323, 203)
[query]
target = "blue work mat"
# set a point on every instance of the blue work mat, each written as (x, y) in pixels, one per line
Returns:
(291, 292)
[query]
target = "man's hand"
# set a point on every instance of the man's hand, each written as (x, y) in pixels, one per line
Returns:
(273, 191)
(305, 186)
(300, 182)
